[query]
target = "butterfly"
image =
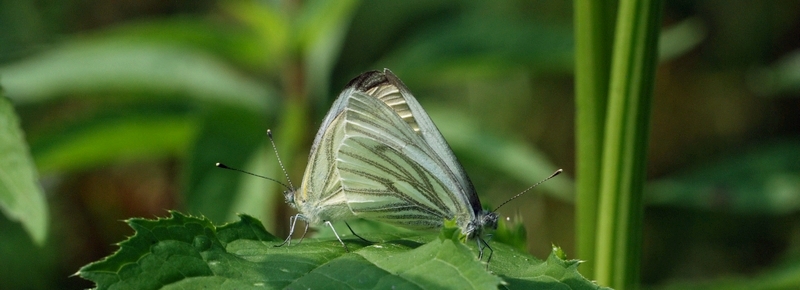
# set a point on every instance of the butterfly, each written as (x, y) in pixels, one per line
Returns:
(378, 156)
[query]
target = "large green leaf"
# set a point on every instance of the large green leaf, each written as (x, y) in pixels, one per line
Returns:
(96, 66)
(230, 41)
(21, 197)
(184, 252)
(134, 134)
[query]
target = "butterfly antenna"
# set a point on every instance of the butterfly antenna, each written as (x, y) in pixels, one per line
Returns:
(529, 188)
(274, 148)
(223, 166)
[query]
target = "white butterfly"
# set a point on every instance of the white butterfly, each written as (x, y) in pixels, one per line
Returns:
(378, 156)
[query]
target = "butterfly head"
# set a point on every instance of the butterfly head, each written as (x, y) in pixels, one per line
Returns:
(288, 196)
(484, 221)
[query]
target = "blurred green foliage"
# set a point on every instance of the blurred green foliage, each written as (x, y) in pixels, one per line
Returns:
(126, 105)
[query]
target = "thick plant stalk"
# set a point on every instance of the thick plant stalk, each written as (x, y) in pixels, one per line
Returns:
(625, 143)
(594, 29)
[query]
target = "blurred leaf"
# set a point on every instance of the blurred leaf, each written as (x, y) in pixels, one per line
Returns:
(783, 77)
(783, 276)
(254, 195)
(513, 158)
(321, 29)
(764, 180)
(21, 197)
(229, 136)
(678, 39)
(31, 262)
(378, 27)
(95, 66)
(512, 234)
(103, 140)
(476, 44)
(270, 25)
(482, 45)
(187, 252)
(320, 20)
(240, 45)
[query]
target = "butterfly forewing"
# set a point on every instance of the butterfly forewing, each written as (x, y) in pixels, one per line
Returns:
(433, 138)
(382, 174)
(389, 171)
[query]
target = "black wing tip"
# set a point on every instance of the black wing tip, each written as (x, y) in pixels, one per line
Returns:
(373, 78)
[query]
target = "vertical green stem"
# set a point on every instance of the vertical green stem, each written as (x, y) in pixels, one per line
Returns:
(625, 143)
(593, 41)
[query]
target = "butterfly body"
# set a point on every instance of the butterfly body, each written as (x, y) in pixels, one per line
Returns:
(378, 156)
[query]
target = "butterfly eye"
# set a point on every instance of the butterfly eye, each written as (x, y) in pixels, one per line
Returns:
(288, 196)
(490, 220)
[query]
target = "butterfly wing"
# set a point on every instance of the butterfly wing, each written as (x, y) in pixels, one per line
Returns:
(394, 164)
(320, 195)
(432, 137)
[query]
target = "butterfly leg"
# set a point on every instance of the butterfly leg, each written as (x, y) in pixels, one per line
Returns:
(484, 245)
(354, 233)
(337, 235)
(305, 231)
(292, 222)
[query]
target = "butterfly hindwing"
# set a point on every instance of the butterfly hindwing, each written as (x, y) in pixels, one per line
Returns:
(320, 196)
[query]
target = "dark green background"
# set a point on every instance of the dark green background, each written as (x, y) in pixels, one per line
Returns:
(127, 104)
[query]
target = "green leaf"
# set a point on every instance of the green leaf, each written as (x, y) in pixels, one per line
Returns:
(780, 78)
(553, 273)
(321, 29)
(512, 234)
(473, 45)
(764, 179)
(21, 197)
(33, 263)
(514, 158)
(98, 140)
(269, 24)
(680, 38)
(225, 39)
(99, 65)
(184, 252)
(229, 136)
(257, 196)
